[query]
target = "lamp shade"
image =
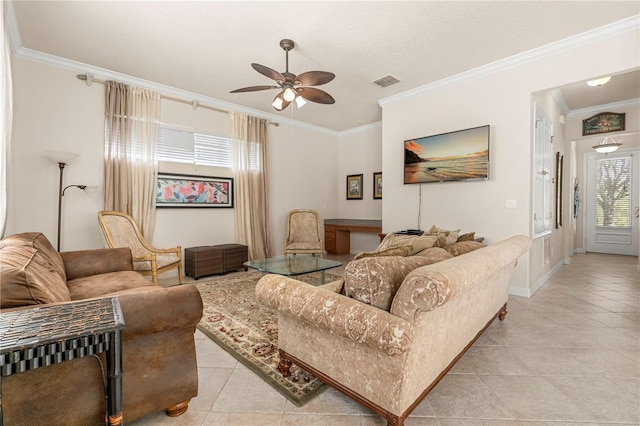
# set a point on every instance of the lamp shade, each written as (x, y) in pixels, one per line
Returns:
(599, 82)
(607, 145)
(61, 156)
(278, 102)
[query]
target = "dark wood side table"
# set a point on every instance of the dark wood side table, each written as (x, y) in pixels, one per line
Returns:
(41, 336)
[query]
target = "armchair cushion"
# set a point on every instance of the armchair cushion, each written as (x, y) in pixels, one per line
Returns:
(162, 260)
(32, 272)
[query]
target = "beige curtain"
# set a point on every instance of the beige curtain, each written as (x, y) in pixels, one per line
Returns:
(6, 118)
(251, 180)
(132, 117)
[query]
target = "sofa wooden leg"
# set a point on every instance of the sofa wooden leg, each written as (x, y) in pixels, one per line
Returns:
(178, 409)
(284, 365)
(503, 313)
(394, 420)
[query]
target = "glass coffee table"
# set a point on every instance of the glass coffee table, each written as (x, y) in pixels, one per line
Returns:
(292, 265)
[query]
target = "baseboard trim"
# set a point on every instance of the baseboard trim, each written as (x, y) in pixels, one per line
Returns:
(528, 292)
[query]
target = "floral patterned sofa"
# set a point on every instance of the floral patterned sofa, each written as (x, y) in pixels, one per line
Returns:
(392, 327)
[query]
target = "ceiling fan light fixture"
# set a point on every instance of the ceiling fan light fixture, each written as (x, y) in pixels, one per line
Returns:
(300, 102)
(289, 94)
(607, 145)
(599, 82)
(278, 102)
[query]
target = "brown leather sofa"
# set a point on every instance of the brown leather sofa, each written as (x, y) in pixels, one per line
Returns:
(158, 348)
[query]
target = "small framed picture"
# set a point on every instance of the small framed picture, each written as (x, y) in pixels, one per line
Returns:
(377, 186)
(354, 187)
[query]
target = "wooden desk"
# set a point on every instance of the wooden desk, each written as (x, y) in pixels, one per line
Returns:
(337, 233)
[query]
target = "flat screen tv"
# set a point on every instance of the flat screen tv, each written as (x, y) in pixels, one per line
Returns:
(454, 156)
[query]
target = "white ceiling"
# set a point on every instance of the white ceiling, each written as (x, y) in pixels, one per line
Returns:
(206, 47)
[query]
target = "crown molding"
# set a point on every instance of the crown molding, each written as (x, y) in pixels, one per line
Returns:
(105, 74)
(631, 103)
(629, 24)
(361, 129)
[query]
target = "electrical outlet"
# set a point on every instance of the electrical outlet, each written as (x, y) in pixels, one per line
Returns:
(510, 204)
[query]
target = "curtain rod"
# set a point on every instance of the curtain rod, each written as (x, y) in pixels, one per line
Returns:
(89, 79)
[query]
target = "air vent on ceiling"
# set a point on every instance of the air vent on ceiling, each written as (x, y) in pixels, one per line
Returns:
(386, 81)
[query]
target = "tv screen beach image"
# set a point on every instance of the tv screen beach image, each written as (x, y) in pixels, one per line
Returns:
(460, 155)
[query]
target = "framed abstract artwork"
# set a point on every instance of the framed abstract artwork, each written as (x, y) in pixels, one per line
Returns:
(377, 186)
(173, 190)
(354, 187)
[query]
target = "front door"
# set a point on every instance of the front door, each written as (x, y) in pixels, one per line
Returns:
(611, 203)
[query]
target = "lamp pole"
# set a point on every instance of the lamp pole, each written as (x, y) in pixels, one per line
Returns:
(61, 166)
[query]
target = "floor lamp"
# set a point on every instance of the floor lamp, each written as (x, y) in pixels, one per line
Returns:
(62, 158)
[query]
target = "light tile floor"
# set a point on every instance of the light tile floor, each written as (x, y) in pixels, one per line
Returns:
(568, 355)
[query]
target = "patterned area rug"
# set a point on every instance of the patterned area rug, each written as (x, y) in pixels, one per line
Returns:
(248, 330)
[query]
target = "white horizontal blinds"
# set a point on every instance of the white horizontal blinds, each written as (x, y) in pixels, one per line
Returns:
(212, 150)
(175, 145)
(184, 146)
(613, 183)
(254, 156)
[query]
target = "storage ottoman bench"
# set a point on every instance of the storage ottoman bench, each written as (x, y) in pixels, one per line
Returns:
(217, 259)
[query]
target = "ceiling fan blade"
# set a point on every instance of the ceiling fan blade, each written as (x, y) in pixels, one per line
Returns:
(253, 89)
(315, 95)
(315, 78)
(268, 72)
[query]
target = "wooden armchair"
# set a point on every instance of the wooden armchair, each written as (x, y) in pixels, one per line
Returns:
(120, 230)
(303, 233)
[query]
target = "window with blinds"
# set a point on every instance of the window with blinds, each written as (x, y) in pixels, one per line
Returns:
(184, 146)
(613, 187)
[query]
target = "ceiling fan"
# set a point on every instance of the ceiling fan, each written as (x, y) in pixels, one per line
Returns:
(294, 87)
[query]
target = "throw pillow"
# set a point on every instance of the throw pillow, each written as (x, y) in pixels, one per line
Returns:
(463, 247)
(375, 280)
(435, 254)
(389, 251)
(26, 278)
(417, 242)
(444, 236)
(469, 236)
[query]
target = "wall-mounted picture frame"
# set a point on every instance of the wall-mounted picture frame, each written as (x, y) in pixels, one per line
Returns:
(354, 187)
(377, 185)
(604, 122)
(191, 191)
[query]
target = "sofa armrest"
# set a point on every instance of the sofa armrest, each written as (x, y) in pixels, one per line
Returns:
(151, 310)
(84, 263)
(336, 313)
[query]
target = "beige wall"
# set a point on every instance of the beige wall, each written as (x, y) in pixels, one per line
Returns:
(53, 110)
(502, 98)
(360, 153)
